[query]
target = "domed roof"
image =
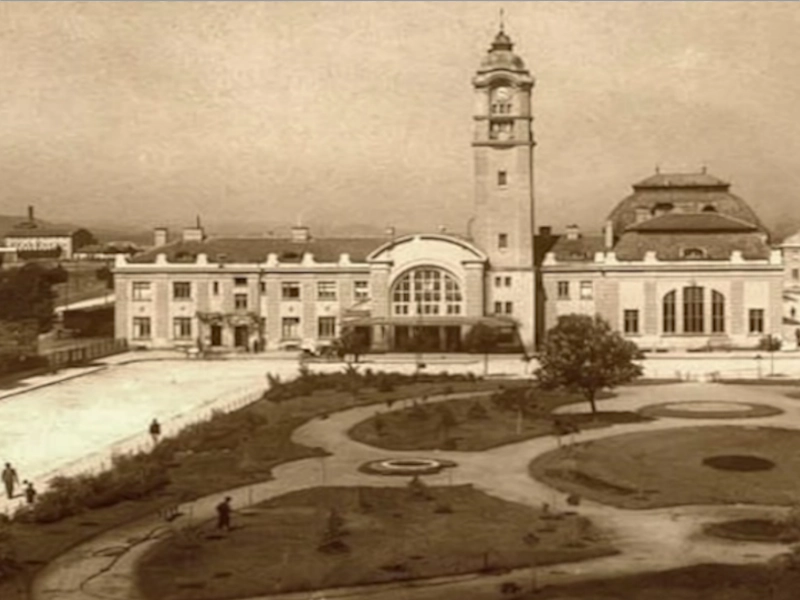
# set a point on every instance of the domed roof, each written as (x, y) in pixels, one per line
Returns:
(501, 55)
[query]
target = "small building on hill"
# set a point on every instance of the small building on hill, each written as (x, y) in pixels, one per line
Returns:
(32, 239)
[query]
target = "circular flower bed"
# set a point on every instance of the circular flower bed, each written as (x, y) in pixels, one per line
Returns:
(406, 466)
(705, 409)
(753, 530)
(738, 462)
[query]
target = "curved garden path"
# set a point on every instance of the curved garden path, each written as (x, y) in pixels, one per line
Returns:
(648, 540)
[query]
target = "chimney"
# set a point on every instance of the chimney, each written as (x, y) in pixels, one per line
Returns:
(300, 234)
(609, 234)
(573, 232)
(545, 231)
(30, 214)
(193, 234)
(160, 237)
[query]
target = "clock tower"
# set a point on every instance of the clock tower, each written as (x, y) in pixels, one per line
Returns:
(503, 149)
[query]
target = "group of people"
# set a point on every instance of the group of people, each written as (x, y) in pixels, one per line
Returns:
(11, 480)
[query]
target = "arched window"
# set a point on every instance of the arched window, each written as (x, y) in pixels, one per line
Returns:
(662, 208)
(717, 312)
(709, 208)
(693, 310)
(427, 291)
(694, 253)
(669, 312)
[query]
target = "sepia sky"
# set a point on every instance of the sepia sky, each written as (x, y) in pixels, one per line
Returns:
(360, 112)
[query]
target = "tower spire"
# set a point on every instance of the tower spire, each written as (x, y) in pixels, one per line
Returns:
(502, 21)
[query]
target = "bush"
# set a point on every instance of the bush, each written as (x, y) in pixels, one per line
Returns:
(477, 412)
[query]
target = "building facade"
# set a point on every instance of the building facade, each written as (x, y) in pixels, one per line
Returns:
(682, 264)
(416, 292)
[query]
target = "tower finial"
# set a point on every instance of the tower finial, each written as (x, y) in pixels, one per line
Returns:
(502, 21)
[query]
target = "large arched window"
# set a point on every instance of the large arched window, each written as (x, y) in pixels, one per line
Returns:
(693, 310)
(717, 312)
(669, 312)
(427, 291)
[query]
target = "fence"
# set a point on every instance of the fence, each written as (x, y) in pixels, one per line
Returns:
(84, 353)
(102, 460)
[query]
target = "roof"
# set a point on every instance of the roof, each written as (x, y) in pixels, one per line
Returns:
(792, 240)
(682, 193)
(501, 56)
(695, 222)
(633, 245)
(37, 231)
(681, 180)
(254, 250)
(581, 249)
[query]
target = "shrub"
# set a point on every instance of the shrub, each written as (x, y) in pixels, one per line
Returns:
(419, 490)
(418, 413)
(477, 412)
(385, 384)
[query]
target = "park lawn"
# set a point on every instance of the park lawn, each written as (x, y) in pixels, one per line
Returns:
(391, 534)
(665, 468)
(701, 582)
(231, 450)
(421, 427)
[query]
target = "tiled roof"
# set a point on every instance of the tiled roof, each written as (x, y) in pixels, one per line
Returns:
(684, 180)
(577, 250)
(702, 221)
(254, 250)
(670, 246)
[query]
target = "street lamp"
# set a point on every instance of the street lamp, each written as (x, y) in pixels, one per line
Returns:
(758, 365)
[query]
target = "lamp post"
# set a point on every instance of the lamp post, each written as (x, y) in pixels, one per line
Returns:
(758, 365)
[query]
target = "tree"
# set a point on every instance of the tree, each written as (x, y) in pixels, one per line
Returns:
(484, 339)
(583, 354)
(447, 420)
(350, 342)
(519, 400)
(26, 293)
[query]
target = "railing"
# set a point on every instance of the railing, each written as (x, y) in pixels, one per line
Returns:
(141, 442)
(84, 353)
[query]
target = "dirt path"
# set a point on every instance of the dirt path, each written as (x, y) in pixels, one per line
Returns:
(648, 540)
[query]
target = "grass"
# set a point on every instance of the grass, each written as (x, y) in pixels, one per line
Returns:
(702, 582)
(665, 468)
(231, 450)
(423, 427)
(275, 549)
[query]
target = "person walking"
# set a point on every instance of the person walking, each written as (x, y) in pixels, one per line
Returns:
(10, 479)
(30, 492)
(224, 514)
(155, 431)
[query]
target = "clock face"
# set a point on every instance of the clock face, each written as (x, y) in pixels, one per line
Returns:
(502, 94)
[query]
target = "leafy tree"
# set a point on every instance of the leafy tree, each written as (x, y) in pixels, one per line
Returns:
(519, 400)
(484, 339)
(26, 293)
(583, 354)
(350, 342)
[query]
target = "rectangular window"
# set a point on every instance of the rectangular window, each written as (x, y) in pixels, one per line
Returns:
(240, 281)
(795, 274)
(290, 290)
(215, 288)
(563, 290)
(142, 291)
(326, 327)
(586, 290)
(498, 308)
(693, 317)
(669, 313)
(360, 291)
(290, 328)
(262, 286)
(502, 240)
(240, 301)
(756, 320)
(181, 290)
(502, 178)
(182, 328)
(508, 281)
(717, 312)
(141, 328)
(509, 308)
(631, 321)
(326, 290)
(498, 281)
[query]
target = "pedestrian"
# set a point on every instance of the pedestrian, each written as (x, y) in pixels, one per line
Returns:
(155, 431)
(30, 492)
(10, 479)
(224, 514)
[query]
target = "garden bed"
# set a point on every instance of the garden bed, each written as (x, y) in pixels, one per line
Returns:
(754, 530)
(433, 531)
(478, 424)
